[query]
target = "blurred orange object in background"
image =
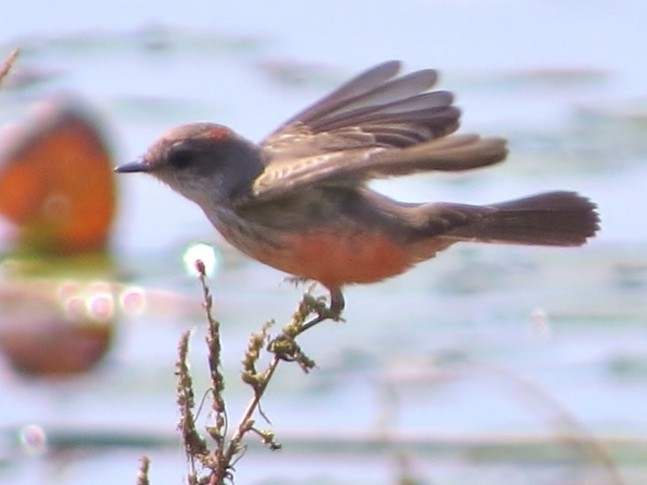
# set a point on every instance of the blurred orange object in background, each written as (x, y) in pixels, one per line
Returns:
(56, 181)
(57, 190)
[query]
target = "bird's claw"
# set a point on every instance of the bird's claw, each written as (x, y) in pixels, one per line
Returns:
(295, 280)
(332, 312)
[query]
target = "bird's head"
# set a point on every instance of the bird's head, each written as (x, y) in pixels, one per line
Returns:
(205, 162)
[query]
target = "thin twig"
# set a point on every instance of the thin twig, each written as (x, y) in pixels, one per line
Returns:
(284, 348)
(142, 475)
(579, 436)
(8, 64)
(194, 445)
(220, 461)
(246, 421)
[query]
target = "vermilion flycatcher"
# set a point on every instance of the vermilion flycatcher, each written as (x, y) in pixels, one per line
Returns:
(299, 201)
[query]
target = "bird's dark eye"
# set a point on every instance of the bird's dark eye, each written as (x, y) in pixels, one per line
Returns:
(181, 158)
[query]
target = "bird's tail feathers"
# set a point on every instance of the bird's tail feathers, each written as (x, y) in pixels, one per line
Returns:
(549, 219)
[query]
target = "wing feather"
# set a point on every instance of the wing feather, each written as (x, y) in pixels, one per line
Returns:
(375, 125)
(455, 153)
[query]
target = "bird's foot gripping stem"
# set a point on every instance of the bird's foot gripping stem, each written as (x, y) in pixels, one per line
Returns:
(332, 312)
(285, 347)
(317, 305)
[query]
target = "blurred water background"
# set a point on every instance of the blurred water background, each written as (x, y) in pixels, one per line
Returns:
(487, 364)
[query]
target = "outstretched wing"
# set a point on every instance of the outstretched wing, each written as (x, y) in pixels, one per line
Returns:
(376, 125)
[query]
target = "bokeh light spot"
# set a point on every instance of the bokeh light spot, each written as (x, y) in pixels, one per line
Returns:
(205, 253)
(100, 305)
(33, 439)
(133, 300)
(75, 308)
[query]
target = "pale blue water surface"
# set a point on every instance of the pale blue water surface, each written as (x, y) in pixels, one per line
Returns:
(484, 341)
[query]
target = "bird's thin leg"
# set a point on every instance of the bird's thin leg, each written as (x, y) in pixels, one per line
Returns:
(337, 304)
(333, 312)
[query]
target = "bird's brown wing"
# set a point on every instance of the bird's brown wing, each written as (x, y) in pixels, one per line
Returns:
(376, 125)
(390, 110)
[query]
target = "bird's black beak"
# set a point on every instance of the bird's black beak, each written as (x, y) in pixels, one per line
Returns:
(136, 166)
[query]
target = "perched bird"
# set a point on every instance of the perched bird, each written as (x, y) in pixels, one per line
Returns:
(299, 200)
